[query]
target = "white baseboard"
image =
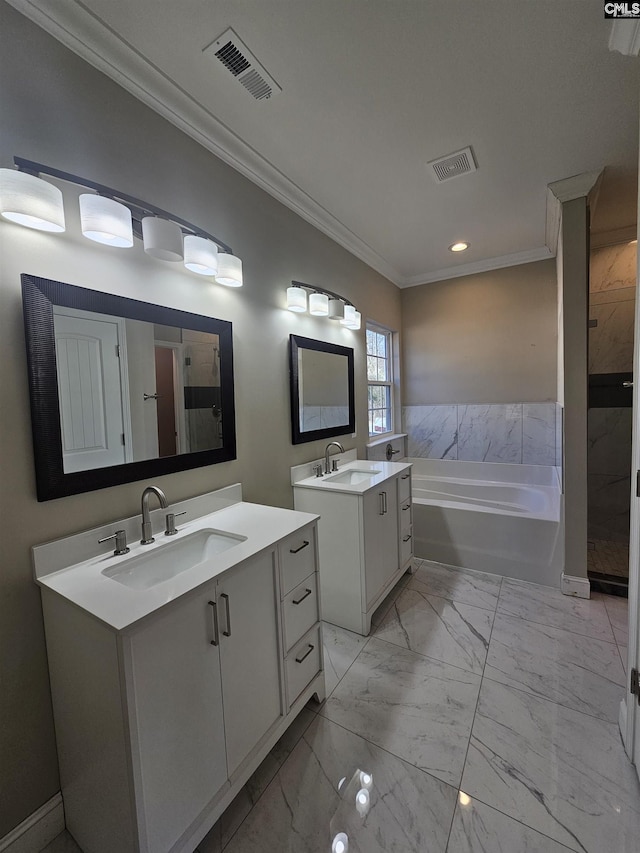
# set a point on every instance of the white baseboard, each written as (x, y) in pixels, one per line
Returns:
(37, 830)
(578, 587)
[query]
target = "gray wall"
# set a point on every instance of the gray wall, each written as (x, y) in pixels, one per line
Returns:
(59, 111)
(485, 338)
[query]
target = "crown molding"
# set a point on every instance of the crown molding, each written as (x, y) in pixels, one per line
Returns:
(83, 33)
(576, 186)
(486, 265)
(625, 36)
(599, 239)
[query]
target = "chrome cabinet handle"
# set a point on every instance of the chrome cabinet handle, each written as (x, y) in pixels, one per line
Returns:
(295, 550)
(405, 508)
(216, 635)
(405, 476)
(306, 654)
(406, 538)
(385, 502)
(227, 633)
(380, 495)
(307, 593)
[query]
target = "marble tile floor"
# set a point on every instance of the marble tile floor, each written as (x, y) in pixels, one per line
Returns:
(485, 710)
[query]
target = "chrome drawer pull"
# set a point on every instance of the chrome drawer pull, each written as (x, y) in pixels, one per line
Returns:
(295, 550)
(307, 593)
(381, 496)
(306, 654)
(406, 538)
(227, 633)
(216, 636)
(405, 508)
(405, 476)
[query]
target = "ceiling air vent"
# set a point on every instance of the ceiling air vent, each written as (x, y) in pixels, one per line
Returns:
(452, 165)
(231, 51)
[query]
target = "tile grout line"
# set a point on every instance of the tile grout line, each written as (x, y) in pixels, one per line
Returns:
(475, 711)
(427, 657)
(623, 661)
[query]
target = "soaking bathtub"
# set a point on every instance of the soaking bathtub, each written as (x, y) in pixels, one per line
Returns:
(494, 517)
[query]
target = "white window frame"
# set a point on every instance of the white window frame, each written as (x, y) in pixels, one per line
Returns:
(388, 383)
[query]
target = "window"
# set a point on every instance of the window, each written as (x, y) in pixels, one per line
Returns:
(380, 379)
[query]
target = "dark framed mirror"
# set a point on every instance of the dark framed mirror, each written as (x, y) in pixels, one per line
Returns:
(322, 389)
(122, 390)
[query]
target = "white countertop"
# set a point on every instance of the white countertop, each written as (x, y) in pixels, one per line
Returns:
(327, 483)
(120, 606)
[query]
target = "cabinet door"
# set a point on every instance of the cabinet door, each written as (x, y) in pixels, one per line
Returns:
(249, 655)
(177, 726)
(380, 506)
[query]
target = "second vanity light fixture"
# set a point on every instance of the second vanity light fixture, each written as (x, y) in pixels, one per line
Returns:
(113, 218)
(322, 303)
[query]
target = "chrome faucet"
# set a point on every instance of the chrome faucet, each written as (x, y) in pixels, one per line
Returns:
(147, 532)
(337, 444)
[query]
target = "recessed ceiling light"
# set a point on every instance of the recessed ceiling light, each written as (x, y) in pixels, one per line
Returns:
(460, 246)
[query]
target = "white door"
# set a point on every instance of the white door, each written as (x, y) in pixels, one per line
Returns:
(249, 655)
(88, 367)
(380, 537)
(178, 722)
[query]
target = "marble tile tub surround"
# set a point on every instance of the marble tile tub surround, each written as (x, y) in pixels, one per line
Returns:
(521, 433)
(538, 776)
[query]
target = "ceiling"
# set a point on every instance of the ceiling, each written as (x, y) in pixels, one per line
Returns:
(374, 89)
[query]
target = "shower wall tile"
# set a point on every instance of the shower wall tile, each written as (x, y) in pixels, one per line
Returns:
(611, 341)
(490, 433)
(539, 433)
(609, 441)
(432, 431)
(613, 267)
(609, 498)
(310, 418)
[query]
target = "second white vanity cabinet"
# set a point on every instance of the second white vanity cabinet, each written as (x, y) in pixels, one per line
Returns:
(163, 710)
(364, 536)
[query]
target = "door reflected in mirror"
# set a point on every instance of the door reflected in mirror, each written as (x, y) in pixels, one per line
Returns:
(130, 390)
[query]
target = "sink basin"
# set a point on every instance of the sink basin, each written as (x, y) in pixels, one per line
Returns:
(353, 476)
(146, 570)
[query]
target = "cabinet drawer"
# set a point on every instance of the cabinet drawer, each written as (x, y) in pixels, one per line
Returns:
(303, 663)
(300, 609)
(406, 546)
(297, 558)
(404, 485)
(405, 514)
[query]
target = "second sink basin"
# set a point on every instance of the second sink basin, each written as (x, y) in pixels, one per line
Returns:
(161, 564)
(353, 476)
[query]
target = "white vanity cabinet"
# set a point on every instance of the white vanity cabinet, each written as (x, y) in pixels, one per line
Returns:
(160, 723)
(364, 539)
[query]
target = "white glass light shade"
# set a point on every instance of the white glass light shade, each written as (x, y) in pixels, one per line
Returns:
(357, 322)
(162, 239)
(336, 309)
(229, 271)
(105, 221)
(200, 255)
(296, 299)
(349, 316)
(30, 201)
(318, 304)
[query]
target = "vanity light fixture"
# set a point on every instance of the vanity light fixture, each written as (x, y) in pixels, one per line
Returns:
(105, 221)
(296, 299)
(114, 218)
(322, 303)
(459, 246)
(162, 239)
(200, 255)
(319, 304)
(229, 270)
(28, 200)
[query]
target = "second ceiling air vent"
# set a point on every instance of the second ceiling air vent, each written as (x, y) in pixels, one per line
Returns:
(452, 165)
(231, 51)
